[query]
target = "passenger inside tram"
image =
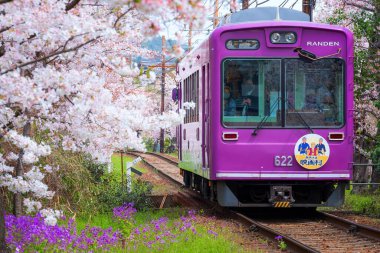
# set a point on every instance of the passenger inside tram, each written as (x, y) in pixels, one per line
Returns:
(229, 103)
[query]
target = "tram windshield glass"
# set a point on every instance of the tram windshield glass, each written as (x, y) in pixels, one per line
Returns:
(312, 91)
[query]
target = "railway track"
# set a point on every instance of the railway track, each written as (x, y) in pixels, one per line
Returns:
(315, 232)
(155, 161)
(320, 233)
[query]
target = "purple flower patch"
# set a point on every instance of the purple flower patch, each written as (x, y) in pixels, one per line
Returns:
(125, 211)
(23, 231)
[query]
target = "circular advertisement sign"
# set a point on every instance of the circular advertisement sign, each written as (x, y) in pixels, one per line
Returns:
(312, 151)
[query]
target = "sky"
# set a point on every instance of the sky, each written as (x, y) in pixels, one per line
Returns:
(200, 35)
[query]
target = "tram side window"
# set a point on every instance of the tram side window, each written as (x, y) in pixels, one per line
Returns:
(251, 90)
(314, 91)
(191, 94)
(187, 99)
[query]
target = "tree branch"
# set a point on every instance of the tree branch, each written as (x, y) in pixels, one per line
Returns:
(5, 28)
(71, 4)
(68, 99)
(50, 55)
(122, 15)
(5, 1)
(362, 7)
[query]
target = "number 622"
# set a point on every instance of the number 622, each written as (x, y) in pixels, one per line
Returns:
(283, 161)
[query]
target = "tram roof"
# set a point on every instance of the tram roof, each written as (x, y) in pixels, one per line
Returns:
(264, 14)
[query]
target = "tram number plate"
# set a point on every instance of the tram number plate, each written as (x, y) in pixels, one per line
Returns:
(283, 161)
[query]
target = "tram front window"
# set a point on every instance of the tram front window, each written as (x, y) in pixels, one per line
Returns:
(314, 91)
(251, 91)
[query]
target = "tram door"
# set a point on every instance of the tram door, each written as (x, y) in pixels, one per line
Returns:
(205, 117)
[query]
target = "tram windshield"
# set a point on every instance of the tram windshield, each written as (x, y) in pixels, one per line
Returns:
(312, 91)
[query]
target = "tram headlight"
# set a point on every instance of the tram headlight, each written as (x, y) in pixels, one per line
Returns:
(275, 37)
(290, 38)
(283, 37)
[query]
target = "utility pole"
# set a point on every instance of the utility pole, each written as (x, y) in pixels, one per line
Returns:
(216, 13)
(162, 133)
(190, 35)
(122, 167)
(307, 7)
(245, 4)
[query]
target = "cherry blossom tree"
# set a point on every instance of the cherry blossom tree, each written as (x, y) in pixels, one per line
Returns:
(362, 17)
(66, 70)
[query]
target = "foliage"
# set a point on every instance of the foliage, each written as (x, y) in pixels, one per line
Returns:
(376, 150)
(147, 232)
(149, 144)
(74, 184)
(113, 193)
(362, 17)
(185, 234)
(281, 244)
(368, 204)
(96, 170)
(169, 146)
(57, 77)
(84, 187)
(27, 233)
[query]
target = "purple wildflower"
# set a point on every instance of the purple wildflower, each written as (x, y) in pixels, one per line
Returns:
(212, 232)
(125, 211)
(27, 230)
(279, 237)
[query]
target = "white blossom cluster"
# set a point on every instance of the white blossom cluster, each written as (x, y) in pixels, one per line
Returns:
(70, 74)
(366, 113)
(51, 216)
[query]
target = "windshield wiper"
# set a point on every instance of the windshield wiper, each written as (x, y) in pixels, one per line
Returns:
(264, 119)
(299, 116)
(310, 57)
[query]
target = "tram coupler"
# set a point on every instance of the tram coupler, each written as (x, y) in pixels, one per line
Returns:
(281, 196)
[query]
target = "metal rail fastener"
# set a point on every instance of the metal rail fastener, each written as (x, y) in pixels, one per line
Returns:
(352, 227)
(292, 244)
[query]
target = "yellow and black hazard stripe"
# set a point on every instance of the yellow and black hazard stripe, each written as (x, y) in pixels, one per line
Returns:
(282, 204)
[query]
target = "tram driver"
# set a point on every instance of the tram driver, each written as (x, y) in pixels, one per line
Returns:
(249, 92)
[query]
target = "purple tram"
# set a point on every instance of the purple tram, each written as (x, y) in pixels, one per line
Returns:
(273, 117)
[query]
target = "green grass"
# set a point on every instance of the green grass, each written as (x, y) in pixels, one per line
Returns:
(116, 163)
(187, 241)
(103, 220)
(174, 154)
(106, 220)
(368, 204)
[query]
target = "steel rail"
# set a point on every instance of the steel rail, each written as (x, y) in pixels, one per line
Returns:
(191, 198)
(158, 171)
(163, 157)
(351, 227)
(292, 244)
(155, 154)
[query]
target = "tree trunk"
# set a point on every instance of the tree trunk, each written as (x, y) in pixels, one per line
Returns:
(3, 244)
(245, 4)
(17, 198)
(17, 201)
(375, 178)
(374, 52)
(360, 174)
